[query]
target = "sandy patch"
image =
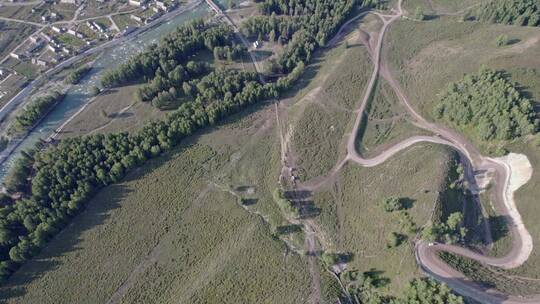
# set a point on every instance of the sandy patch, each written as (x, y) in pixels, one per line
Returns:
(519, 171)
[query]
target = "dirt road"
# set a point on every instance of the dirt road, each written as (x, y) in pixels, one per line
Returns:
(427, 256)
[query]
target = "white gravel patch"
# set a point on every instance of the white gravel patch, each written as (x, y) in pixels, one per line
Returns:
(519, 173)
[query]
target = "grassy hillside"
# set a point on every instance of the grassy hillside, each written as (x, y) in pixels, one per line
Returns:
(442, 51)
(353, 215)
(170, 232)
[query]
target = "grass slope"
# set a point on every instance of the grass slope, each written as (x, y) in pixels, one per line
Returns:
(168, 233)
(442, 51)
(323, 111)
(353, 215)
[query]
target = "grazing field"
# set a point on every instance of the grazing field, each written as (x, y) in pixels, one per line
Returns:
(387, 123)
(123, 21)
(115, 110)
(440, 7)
(23, 12)
(323, 111)
(527, 204)
(172, 232)
(24, 68)
(354, 218)
(97, 8)
(443, 51)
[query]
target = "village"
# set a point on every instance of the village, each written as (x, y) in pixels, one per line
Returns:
(64, 29)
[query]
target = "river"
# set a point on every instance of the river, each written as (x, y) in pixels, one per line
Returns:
(79, 94)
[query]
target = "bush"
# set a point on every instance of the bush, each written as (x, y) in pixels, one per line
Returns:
(502, 40)
(392, 204)
(428, 291)
(394, 239)
(76, 76)
(419, 14)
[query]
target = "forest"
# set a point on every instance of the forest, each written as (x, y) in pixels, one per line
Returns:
(489, 105)
(516, 12)
(364, 287)
(302, 25)
(173, 50)
(32, 113)
(56, 181)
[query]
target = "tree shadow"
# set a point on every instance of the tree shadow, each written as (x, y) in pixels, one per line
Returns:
(309, 210)
(249, 201)
(377, 277)
(96, 212)
(297, 195)
(513, 41)
(431, 17)
(407, 202)
(245, 188)
(499, 227)
(261, 55)
(523, 90)
(121, 115)
(288, 229)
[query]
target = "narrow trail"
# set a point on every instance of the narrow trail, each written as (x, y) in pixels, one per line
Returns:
(426, 255)
(284, 136)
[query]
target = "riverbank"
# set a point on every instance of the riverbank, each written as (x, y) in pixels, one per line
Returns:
(79, 96)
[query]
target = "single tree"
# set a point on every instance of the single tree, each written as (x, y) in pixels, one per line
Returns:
(502, 40)
(419, 14)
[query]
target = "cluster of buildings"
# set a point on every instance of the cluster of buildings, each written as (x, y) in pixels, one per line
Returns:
(51, 46)
(158, 8)
(48, 40)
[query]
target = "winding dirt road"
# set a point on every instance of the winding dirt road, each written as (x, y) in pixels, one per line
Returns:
(426, 255)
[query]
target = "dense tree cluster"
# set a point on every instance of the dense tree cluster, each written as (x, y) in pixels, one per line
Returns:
(17, 178)
(428, 291)
(517, 12)
(166, 86)
(490, 105)
(364, 287)
(305, 25)
(272, 28)
(449, 232)
(173, 50)
(75, 76)
(229, 53)
(32, 113)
